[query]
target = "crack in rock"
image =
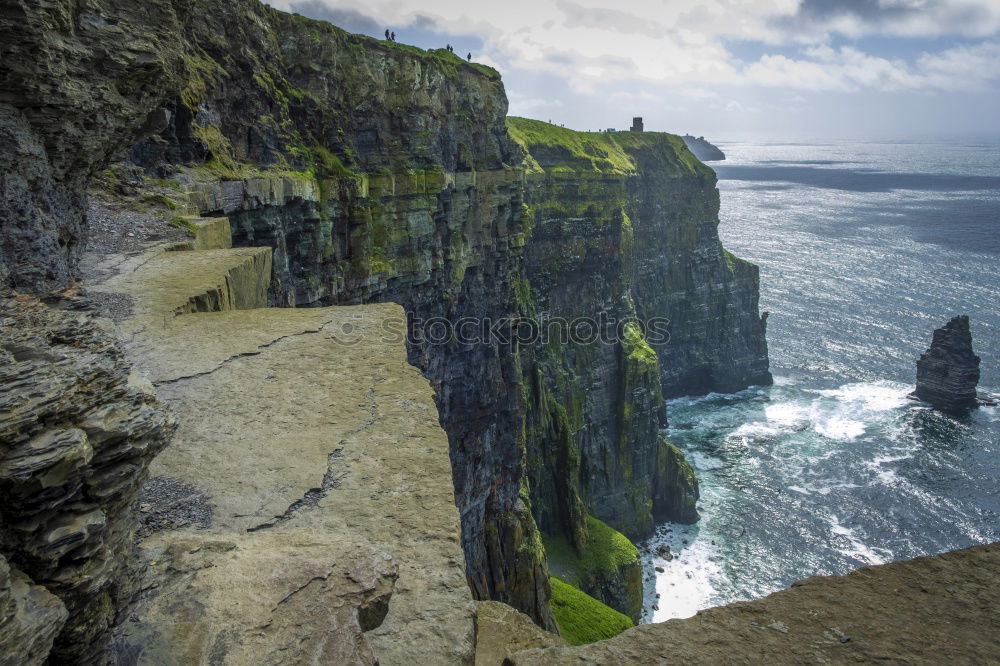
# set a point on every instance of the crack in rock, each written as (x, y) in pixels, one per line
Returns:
(312, 496)
(260, 349)
(330, 479)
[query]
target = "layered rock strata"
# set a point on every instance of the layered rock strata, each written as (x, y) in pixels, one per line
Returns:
(80, 82)
(78, 432)
(948, 372)
(30, 619)
(378, 172)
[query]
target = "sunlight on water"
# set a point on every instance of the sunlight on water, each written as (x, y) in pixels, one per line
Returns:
(864, 250)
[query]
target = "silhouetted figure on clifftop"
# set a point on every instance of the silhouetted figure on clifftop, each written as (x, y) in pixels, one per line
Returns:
(469, 57)
(387, 33)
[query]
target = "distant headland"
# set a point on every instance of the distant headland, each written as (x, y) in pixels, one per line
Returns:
(702, 149)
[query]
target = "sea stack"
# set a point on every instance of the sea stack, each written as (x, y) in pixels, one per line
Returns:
(948, 372)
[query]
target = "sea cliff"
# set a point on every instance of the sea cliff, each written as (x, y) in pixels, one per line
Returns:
(377, 172)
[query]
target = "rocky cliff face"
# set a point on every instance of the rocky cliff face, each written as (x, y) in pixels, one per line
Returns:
(377, 172)
(78, 435)
(78, 85)
(710, 297)
(622, 246)
(380, 172)
(948, 372)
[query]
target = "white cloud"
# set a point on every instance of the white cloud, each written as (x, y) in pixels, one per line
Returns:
(848, 69)
(521, 105)
(594, 47)
(588, 43)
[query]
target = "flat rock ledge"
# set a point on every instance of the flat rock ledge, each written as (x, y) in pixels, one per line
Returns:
(304, 512)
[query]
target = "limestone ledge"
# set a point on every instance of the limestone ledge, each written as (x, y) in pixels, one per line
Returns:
(333, 532)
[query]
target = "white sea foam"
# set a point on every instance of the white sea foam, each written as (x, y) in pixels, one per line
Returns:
(847, 541)
(755, 430)
(702, 461)
(787, 415)
(872, 397)
(687, 401)
(688, 582)
(887, 476)
(840, 428)
(822, 488)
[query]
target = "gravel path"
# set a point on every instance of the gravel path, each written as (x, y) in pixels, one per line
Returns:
(118, 227)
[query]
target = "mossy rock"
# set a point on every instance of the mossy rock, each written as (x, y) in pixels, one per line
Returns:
(581, 618)
(607, 566)
(606, 550)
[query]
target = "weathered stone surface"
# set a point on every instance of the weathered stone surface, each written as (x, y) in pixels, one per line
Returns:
(78, 432)
(179, 282)
(277, 598)
(931, 610)
(501, 631)
(30, 619)
(77, 85)
(948, 372)
(211, 233)
(318, 434)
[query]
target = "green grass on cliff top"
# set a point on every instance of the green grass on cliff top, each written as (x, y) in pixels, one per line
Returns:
(607, 549)
(554, 149)
(583, 619)
(450, 63)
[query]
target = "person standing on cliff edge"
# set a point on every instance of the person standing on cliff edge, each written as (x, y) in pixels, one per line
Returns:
(387, 33)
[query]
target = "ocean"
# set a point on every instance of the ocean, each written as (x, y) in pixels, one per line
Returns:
(864, 249)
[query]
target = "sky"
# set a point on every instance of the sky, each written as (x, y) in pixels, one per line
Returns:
(871, 69)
